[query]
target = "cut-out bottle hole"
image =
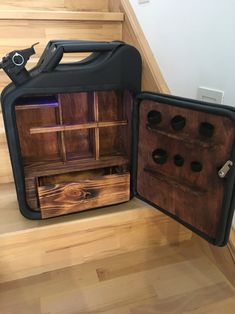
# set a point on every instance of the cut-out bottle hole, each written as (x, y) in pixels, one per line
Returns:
(196, 166)
(178, 160)
(206, 129)
(159, 156)
(154, 118)
(178, 123)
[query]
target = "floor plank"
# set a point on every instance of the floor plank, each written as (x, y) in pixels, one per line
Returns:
(172, 279)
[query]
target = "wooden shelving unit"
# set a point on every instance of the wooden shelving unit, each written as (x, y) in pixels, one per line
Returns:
(64, 140)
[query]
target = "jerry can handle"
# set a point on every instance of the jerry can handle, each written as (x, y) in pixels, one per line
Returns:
(55, 50)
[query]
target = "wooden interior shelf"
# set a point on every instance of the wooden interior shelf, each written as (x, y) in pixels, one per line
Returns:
(68, 138)
(72, 127)
(35, 106)
(51, 168)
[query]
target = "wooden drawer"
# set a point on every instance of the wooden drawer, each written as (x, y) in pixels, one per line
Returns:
(69, 197)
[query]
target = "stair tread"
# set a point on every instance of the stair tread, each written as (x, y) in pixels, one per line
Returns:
(61, 15)
(12, 221)
(81, 5)
(83, 236)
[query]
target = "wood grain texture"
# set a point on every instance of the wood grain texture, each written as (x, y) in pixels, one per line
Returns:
(49, 168)
(73, 127)
(5, 164)
(71, 177)
(17, 34)
(169, 279)
(35, 148)
(194, 197)
(65, 198)
(112, 139)
(22, 34)
(31, 192)
(60, 15)
(231, 244)
(55, 5)
(76, 109)
(67, 122)
(61, 136)
(78, 238)
(221, 257)
(96, 133)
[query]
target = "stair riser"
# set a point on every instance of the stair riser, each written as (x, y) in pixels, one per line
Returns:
(5, 164)
(15, 34)
(21, 34)
(81, 5)
(39, 250)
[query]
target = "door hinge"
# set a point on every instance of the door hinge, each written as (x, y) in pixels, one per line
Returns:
(225, 169)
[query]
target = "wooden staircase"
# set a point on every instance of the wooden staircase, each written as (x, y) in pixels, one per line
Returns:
(21, 27)
(32, 247)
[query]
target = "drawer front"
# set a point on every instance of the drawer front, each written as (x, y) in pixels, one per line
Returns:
(64, 198)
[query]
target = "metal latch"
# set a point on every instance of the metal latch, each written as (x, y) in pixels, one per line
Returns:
(225, 169)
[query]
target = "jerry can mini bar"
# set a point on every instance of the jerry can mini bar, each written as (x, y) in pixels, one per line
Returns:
(82, 135)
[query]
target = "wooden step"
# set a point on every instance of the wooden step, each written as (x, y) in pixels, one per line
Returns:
(34, 247)
(5, 164)
(54, 5)
(6, 174)
(18, 31)
(60, 15)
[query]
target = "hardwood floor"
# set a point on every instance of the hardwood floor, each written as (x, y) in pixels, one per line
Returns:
(170, 279)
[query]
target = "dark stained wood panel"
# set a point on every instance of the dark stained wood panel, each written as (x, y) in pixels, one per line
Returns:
(35, 147)
(70, 177)
(112, 108)
(31, 192)
(70, 137)
(60, 199)
(52, 168)
(77, 108)
(194, 197)
(112, 141)
(110, 105)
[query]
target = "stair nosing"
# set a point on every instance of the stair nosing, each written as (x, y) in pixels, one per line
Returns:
(61, 15)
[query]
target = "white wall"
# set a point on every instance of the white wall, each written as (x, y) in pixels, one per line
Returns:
(193, 42)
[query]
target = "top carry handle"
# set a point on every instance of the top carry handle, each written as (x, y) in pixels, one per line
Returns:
(55, 50)
(14, 62)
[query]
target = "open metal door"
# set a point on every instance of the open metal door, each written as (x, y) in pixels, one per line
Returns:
(185, 157)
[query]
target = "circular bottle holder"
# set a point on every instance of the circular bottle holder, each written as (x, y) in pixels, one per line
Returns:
(206, 129)
(178, 160)
(196, 166)
(178, 123)
(154, 117)
(159, 156)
